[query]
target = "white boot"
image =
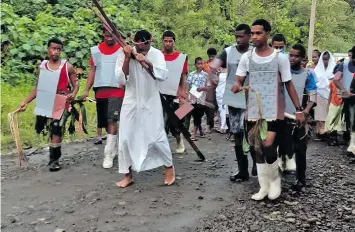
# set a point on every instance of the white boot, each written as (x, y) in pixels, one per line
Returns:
(281, 163)
(180, 147)
(274, 181)
(263, 182)
(290, 164)
(351, 147)
(110, 151)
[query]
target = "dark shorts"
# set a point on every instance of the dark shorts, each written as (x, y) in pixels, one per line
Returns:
(57, 127)
(274, 126)
(108, 109)
(236, 120)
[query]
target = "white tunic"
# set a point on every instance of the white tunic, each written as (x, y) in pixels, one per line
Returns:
(143, 143)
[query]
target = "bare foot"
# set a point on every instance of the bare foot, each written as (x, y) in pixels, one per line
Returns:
(169, 176)
(127, 181)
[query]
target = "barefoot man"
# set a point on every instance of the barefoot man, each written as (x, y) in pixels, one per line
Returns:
(143, 144)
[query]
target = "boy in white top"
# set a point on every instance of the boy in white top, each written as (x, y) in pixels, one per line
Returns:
(269, 71)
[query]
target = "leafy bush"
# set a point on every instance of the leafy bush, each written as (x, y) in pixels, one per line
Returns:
(27, 25)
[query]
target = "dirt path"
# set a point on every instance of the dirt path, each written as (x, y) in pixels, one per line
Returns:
(83, 196)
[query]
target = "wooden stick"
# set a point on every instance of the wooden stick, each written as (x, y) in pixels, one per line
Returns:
(175, 120)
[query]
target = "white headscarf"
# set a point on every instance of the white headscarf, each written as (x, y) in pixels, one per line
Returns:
(324, 75)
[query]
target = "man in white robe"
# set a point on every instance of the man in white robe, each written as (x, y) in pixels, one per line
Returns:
(143, 143)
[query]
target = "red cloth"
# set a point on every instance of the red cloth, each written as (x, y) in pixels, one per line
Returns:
(334, 98)
(106, 50)
(107, 92)
(174, 56)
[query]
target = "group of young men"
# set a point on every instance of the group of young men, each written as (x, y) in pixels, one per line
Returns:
(125, 92)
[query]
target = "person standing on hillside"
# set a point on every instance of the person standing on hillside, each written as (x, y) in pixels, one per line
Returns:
(108, 93)
(229, 59)
(269, 71)
(174, 88)
(55, 80)
(143, 142)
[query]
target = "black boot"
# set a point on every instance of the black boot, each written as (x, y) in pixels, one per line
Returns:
(333, 139)
(254, 171)
(242, 174)
(51, 155)
(54, 166)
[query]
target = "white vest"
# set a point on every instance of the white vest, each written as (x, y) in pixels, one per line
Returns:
(170, 86)
(47, 90)
(105, 68)
(299, 81)
(236, 100)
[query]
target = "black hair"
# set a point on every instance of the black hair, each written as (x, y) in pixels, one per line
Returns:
(350, 50)
(142, 36)
(198, 59)
(168, 34)
(318, 52)
(243, 27)
(264, 23)
(353, 52)
(211, 52)
(336, 68)
(301, 49)
(279, 38)
(326, 53)
(55, 41)
(103, 29)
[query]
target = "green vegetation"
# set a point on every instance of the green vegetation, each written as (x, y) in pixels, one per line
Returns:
(26, 25)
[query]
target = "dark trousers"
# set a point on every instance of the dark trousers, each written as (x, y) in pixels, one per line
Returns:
(197, 114)
(266, 154)
(294, 140)
(169, 127)
(210, 112)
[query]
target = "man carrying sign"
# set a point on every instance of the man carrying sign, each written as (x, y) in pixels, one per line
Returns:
(53, 96)
(174, 88)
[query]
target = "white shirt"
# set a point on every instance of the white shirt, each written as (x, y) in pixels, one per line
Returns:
(283, 63)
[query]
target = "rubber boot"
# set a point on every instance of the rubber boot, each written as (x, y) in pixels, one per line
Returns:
(242, 160)
(290, 164)
(333, 139)
(281, 163)
(56, 154)
(351, 148)
(274, 180)
(180, 147)
(51, 155)
(263, 173)
(110, 151)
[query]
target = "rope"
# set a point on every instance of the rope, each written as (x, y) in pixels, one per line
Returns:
(254, 137)
(13, 122)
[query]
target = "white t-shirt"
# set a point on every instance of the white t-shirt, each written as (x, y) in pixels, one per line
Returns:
(283, 62)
